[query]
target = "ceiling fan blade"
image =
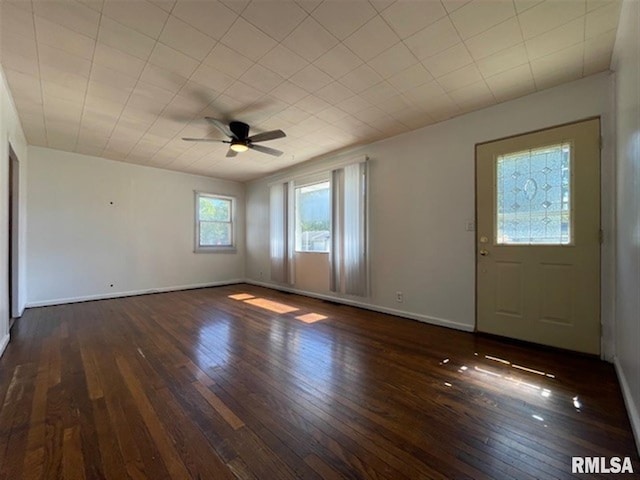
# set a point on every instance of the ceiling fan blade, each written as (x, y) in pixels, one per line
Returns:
(231, 153)
(203, 140)
(220, 125)
(263, 137)
(267, 150)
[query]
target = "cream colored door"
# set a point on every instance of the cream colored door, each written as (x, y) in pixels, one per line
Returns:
(538, 237)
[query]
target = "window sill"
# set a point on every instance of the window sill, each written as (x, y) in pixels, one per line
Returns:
(215, 250)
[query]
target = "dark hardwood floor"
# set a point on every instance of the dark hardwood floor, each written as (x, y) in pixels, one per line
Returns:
(247, 382)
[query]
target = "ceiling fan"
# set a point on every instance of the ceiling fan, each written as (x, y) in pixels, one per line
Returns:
(239, 139)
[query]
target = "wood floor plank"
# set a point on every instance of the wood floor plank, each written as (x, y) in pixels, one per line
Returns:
(228, 382)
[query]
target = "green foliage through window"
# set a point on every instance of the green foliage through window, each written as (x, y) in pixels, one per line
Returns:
(214, 221)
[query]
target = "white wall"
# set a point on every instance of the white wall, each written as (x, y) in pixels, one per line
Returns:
(79, 244)
(422, 196)
(627, 66)
(10, 134)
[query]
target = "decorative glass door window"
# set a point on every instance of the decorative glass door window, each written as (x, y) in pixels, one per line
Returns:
(533, 196)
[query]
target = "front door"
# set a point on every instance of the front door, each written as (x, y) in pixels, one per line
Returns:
(538, 237)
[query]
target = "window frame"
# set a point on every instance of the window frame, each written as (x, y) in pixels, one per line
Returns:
(315, 180)
(198, 248)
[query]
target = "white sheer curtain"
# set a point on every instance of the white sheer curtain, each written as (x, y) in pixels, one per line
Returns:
(279, 215)
(349, 230)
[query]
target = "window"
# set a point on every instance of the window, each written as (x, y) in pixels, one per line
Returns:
(214, 223)
(313, 217)
(534, 196)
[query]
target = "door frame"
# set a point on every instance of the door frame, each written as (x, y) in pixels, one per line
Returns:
(14, 226)
(605, 191)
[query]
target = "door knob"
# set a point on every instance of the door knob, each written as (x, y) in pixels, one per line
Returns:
(484, 252)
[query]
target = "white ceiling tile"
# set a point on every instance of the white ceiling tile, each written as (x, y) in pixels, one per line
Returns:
(460, 78)
(118, 60)
(394, 104)
(602, 20)
(600, 45)
(423, 94)
(480, 15)
(511, 83)
(495, 39)
(186, 39)
(283, 61)
(261, 78)
(473, 97)
(309, 5)
(453, 5)
(108, 92)
(55, 35)
(173, 60)
(311, 79)
(379, 92)
(310, 40)
(288, 92)
(312, 104)
(56, 90)
(212, 78)
(57, 109)
(557, 39)
(343, 18)
(243, 93)
(73, 15)
(275, 18)
(212, 18)
(332, 114)
(231, 62)
(338, 61)
(248, 40)
(441, 108)
(595, 4)
(409, 17)
(237, 6)
(522, 5)
(504, 60)
(108, 76)
(292, 114)
(372, 39)
(19, 54)
(334, 93)
(140, 15)
(394, 60)
(361, 78)
(163, 78)
(411, 77)
(166, 5)
(563, 66)
(449, 60)
(548, 15)
(15, 20)
(61, 60)
(433, 39)
(125, 39)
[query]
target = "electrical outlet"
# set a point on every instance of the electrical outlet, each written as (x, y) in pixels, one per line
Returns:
(261, 275)
(399, 297)
(470, 226)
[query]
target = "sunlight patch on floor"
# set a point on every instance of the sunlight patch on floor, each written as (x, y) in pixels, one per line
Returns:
(311, 317)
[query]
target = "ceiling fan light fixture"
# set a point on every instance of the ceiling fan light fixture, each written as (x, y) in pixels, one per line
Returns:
(239, 147)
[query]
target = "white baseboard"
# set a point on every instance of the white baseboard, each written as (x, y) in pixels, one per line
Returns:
(3, 343)
(441, 322)
(131, 293)
(631, 404)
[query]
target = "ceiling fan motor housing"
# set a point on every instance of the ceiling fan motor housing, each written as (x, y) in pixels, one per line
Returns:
(240, 130)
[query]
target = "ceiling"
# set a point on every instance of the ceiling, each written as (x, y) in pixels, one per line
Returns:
(126, 80)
